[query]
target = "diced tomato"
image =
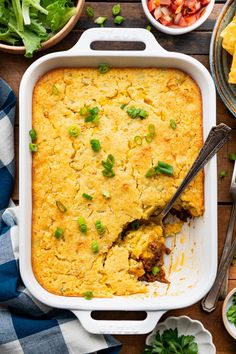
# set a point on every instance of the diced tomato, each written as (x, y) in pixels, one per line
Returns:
(152, 5)
(182, 22)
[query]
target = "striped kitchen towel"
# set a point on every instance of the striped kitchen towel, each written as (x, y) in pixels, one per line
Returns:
(26, 325)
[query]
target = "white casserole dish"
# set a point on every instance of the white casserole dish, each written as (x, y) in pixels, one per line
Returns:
(192, 276)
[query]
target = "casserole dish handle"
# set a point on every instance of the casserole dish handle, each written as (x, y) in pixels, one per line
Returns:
(116, 35)
(117, 326)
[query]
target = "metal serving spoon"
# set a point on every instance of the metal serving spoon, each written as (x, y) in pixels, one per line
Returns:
(217, 137)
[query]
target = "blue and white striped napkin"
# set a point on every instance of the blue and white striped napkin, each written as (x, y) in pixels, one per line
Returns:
(26, 325)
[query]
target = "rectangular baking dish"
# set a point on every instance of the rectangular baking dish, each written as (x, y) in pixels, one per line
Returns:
(193, 264)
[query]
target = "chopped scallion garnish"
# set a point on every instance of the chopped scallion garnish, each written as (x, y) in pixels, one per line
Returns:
(160, 168)
(137, 112)
(33, 147)
(55, 90)
(149, 138)
(90, 11)
(101, 229)
(103, 68)
(100, 20)
(123, 105)
(61, 206)
(222, 174)
(108, 166)
(173, 124)
(88, 295)
(95, 144)
(232, 156)
(116, 9)
(90, 114)
(33, 135)
(138, 140)
(58, 233)
(155, 270)
(95, 247)
(82, 224)
(106, 194)
(74, 131)
(118, 20)
(149, 28)
(87, 196)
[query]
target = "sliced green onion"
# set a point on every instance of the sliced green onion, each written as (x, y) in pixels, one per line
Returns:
(101, 229)
(58, 233)
(106, 194)
(143, 114)
(33, 147)
(116, 9)
(33, 134)
(173, 124)
(108, 173)
(61, 206)
(100, 20)
(161, 167)
(222, 174)
(137, 112)
(118, 20)
(149, 28)
(155, 270)
(232, 156)
(103, 68)
(83, 111)
(123, 105)
(87, 196)
(90, 11)
(152, 129)
(108, 166)
(138, 140)
(74, 131)
(95, 247)
(55, 90)
(88, 295)
(150, 173)
(82, 224)
(92, 115)
(149, 138)
(95, 144)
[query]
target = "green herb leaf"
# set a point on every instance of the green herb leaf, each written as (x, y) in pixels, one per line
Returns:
(160, 168)
(149, 28)
(116, 9)
(95, 144)
(173, 124)
(74, 131)
(91, 114)
(90, 11)
(33, 135)
(87, 196)
(137, 112)
(118, 20)
(108, 166)
(88, 295)
(58, 233)
(82, 224)
(61, 206)
(100, 20)
(103, 68)
(33, 147)
(95, 247)
(232, 156)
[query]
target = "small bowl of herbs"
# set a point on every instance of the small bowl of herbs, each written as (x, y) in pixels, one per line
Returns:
(229, 313)
(27, 26)
(180, 335)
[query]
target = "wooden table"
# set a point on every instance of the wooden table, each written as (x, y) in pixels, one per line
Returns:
(196, 44)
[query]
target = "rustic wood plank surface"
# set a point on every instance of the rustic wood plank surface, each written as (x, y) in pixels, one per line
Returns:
(195, 43)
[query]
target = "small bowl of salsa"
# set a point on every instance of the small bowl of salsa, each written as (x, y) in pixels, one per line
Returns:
(177, 16)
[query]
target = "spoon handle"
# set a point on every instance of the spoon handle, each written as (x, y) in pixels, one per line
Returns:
(217, 137)
(209, 302)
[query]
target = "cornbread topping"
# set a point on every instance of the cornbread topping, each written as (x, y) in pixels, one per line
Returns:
(111, 149)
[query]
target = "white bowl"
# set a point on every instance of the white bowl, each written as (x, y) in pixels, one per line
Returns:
(179, 30)
(187, 326)
(227, 303)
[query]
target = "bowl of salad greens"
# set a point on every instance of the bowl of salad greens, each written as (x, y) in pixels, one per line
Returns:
(27, 26)
(179, 335)
(229, 313)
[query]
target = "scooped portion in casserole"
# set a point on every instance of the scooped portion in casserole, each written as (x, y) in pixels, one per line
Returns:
(109, 148)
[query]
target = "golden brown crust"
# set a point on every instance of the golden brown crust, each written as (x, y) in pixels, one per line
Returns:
(65, 167)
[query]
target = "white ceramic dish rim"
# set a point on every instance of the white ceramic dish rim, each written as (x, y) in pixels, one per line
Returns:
(148, 57)
(227, 324)
(178, 31)
(167, 321)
